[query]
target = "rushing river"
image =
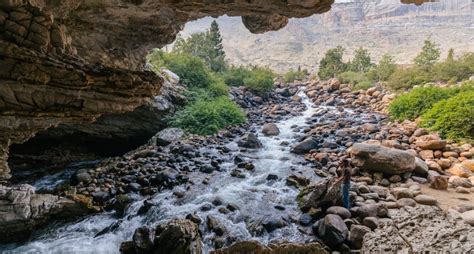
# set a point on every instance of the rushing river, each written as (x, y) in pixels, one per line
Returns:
(257, 198)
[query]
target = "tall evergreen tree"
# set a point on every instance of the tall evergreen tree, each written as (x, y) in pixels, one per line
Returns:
(216, 52)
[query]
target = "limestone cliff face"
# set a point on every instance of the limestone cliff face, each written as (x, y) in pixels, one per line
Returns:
(70, 61)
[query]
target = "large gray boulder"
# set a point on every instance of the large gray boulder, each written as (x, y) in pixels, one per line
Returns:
(332, 230)
(249, 140)
(376, 158)
(304, 146)
(322, 194)
(270, 129)
(177, 237)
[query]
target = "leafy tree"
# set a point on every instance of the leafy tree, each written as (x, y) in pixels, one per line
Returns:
(206, 45)
(383, 70)
(361, 61)
(428, 56)
(332, 64)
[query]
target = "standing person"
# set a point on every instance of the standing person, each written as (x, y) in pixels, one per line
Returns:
(345, 172)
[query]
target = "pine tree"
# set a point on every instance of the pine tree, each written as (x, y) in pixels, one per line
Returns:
(216, 52)
(450, 57)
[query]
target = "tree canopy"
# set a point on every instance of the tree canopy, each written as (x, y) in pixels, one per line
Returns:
(206, 45)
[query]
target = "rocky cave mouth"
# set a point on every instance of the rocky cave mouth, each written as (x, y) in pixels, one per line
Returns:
(79, 80)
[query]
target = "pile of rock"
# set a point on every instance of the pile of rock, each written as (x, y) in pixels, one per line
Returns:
(392, 160)
(333, 93)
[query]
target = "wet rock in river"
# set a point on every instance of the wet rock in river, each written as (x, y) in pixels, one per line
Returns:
(143, 240)
(304, 146)
(249, 140)
(270, 129)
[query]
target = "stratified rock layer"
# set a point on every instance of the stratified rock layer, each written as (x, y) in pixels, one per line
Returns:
(22, 210)
(423, 228)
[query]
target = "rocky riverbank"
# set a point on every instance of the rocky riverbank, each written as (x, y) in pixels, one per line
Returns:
(272, 180)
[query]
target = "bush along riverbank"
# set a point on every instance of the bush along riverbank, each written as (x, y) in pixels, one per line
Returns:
(272, 180)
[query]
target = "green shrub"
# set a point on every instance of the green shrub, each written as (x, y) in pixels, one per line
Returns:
(260, 81)
(206, 117)
(453, 117)
(364, 85)
(353, 78)
(190, 69)
(235, 76)
(452, 70)
(403, 79)
(412, 104)
(291, 76)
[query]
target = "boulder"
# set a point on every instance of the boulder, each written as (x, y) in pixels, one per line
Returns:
(177, 237)
(270, 129)
(339, 210)
(371, 222)
(468, 217)
(322, 194)
(332, 230)
(249, 140)
(460, 170)
(456, 181)
(438, 182)
(421, 168)
(401, 192)
(469, 164)
(168, 136)
(426, 200)
(81, 176)
(356, 236)
(376, 158)
(372, 210)
(430, 142)
(406, 202)
(304, 146)
(142, 240)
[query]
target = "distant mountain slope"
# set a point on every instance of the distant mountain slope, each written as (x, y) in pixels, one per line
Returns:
(382, 26)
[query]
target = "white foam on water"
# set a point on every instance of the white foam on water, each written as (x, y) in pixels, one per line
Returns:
(254, 195)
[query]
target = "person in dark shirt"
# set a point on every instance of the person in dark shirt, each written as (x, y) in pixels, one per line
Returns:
(345, 172)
